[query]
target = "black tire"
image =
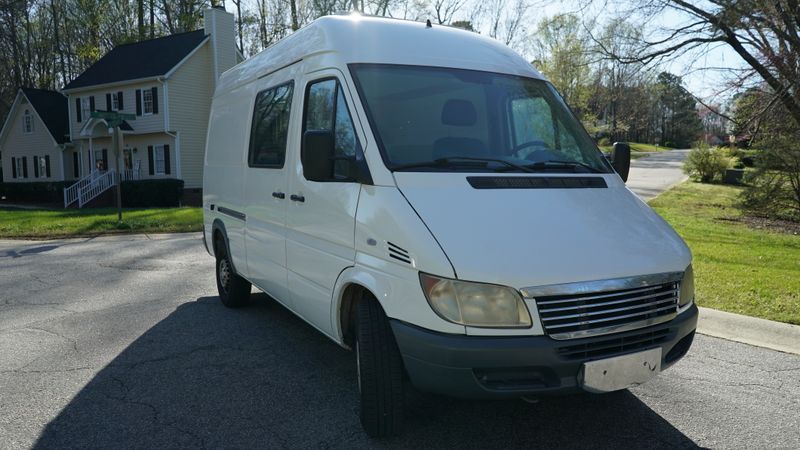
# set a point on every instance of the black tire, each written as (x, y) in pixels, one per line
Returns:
(380, 371)
(234, 291)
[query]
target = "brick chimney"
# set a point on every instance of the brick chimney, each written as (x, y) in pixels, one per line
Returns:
(220, 25)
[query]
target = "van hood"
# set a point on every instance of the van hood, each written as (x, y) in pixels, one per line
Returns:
(540, 236)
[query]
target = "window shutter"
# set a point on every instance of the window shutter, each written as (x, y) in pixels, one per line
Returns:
(150, 160)
(119, 100)
(75, 165)
(138, 102)
(78, 108)
(47, 165)
(105, 159)
(91, 103)
(24, 167)
(166, 160)
(13, 167)
(109, 105)
(36, 167)
(155, 100)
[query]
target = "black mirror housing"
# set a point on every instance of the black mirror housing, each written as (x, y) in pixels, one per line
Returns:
(621, 159)
(317, 155)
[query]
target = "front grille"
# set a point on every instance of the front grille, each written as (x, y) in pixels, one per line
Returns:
(614, 346)
(593, 313)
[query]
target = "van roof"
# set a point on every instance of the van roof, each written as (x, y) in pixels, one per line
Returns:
(364, 39)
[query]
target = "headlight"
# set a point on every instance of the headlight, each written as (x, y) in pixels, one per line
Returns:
(475, 304)
(687, 287)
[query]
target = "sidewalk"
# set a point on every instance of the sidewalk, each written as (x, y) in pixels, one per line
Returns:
(750, 330)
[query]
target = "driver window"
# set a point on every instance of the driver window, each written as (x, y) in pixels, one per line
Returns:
(532, 120)
(326, 109)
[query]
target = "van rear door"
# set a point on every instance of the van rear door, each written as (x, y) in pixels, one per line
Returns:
(321, 215)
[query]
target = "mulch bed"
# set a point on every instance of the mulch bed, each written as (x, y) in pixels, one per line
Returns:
(765, 223)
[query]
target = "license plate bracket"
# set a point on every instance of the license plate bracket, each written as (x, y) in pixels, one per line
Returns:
(620, 372)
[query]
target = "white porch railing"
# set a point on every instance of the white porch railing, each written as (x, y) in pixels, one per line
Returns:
(71, 193)
(130, 174)
(97, 186)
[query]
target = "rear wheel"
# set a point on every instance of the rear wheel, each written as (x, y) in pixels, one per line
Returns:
(380, 371)
(234, 291)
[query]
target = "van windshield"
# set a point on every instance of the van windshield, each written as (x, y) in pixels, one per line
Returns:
(442, 119)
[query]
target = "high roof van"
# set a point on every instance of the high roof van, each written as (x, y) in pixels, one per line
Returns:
(422, 196)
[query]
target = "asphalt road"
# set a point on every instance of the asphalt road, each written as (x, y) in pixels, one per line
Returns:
(121, 342)
(656, 173)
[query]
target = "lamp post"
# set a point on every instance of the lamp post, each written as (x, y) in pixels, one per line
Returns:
(114, 120)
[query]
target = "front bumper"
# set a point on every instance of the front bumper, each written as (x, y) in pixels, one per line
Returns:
(498, 367)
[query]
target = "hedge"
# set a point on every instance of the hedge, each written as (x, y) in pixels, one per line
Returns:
(167, 192)
(137, 193)
(38, 191)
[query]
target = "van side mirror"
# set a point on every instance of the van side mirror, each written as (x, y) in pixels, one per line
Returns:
(317, 155)
(621, 159)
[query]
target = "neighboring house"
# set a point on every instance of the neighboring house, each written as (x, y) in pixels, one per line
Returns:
(34, 137)
(167, 83)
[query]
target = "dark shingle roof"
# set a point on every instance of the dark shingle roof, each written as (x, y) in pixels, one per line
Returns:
(52, 108)
(144, 59)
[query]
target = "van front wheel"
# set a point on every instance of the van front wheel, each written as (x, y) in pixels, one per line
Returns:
(380, 371)
(234, 291)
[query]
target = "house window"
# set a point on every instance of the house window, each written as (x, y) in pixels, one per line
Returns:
(42, 167)
(160, 160)
(27, 122)
(147, 101)
(86, 111)
(115, 101)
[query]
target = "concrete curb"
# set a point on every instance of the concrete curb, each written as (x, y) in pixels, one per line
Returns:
(750, 330)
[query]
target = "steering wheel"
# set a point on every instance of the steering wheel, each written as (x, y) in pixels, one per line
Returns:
(541, 152)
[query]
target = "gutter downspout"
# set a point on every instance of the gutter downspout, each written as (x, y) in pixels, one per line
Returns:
(177, 135)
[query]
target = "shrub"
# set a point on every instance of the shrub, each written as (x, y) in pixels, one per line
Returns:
(706, 164)
(36, 192)
(167, 192)
(604, 142)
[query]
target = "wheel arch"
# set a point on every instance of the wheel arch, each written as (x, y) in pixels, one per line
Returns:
(350, 287)
(220, 235)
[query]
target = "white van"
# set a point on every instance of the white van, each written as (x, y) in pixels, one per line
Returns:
(421, 195)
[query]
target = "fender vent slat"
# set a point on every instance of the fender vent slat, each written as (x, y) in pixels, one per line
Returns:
(398, 253)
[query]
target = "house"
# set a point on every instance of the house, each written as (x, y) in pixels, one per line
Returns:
(34, 137)
(167, 83)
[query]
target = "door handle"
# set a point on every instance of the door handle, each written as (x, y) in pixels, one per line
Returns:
(297, 198)
(279, 195)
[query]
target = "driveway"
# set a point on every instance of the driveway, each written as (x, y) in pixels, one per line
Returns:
(656, 173)
(122, 342)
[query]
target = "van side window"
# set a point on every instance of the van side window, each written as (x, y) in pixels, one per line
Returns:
(270, 127)
(326, 110)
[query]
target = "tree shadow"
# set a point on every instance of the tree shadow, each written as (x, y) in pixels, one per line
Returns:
(29, 251)
(207, 376)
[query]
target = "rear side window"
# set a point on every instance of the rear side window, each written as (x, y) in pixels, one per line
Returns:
(270, 127)
(326, 110)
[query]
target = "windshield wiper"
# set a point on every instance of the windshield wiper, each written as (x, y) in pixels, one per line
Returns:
(555, 164)
(451, 161)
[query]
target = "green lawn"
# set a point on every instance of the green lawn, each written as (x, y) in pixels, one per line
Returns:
(737, 268)
(637, 150)
(19, 223)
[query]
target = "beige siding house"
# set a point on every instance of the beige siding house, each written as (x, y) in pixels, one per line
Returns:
(33, 137)
(166, 83)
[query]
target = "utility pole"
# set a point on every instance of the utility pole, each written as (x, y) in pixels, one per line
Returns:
(114, 120)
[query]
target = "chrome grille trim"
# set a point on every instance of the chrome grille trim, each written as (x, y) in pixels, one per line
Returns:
(607, 311)
(613, 302)
(575, 310)
(599, 286)
(609, 319)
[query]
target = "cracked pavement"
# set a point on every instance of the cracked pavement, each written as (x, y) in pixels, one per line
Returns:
(122, 342)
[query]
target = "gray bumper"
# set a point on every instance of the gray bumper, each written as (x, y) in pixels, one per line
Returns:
(497, 367)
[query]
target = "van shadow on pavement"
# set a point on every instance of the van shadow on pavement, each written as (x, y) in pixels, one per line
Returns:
(207, 376)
